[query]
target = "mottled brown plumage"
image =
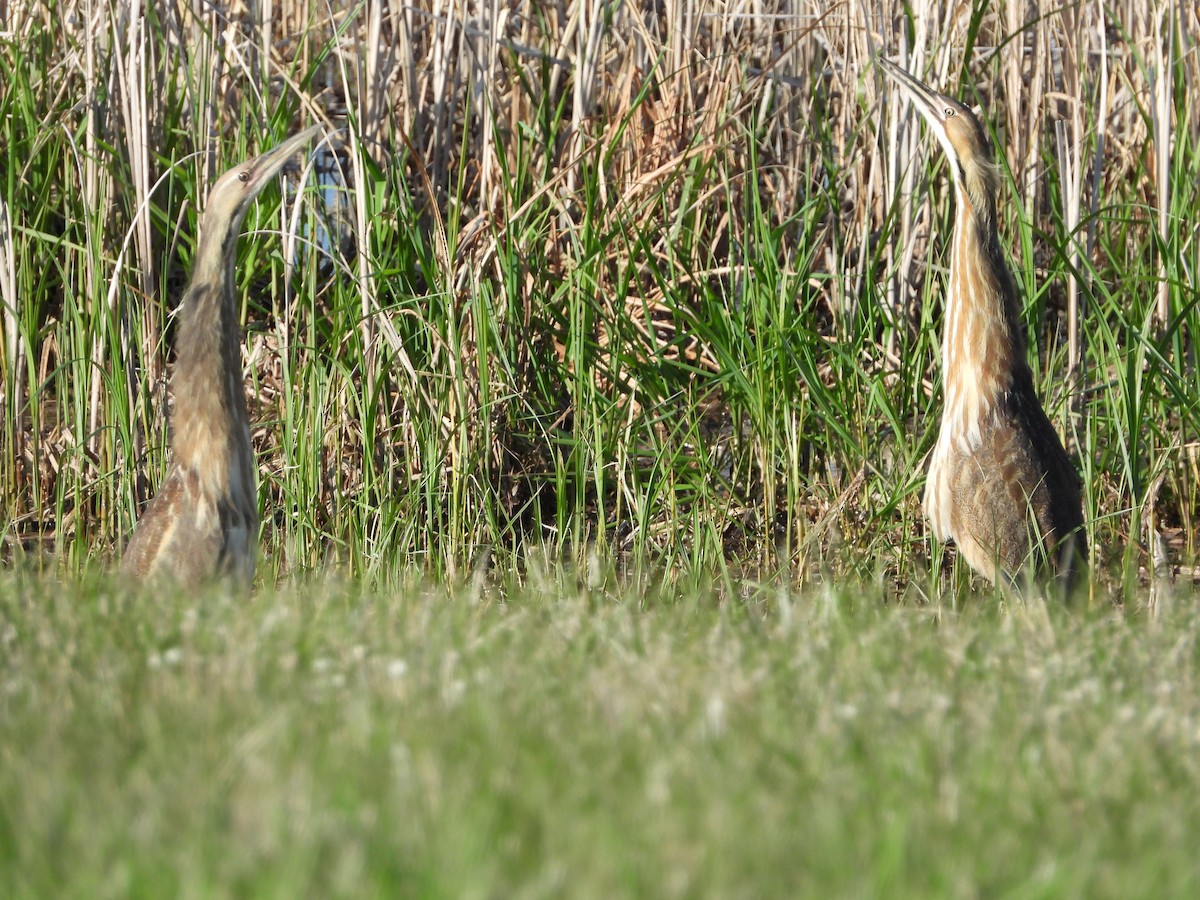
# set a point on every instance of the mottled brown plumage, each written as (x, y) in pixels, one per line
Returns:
(203, 524)
(1000, 484)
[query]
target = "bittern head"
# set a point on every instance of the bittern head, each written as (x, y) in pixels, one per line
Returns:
(958, 130)
(231, 196)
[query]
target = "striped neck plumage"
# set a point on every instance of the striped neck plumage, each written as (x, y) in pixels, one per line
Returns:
(983, 344)
(211, 420)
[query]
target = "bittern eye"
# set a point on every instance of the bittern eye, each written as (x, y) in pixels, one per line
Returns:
(949, 112)
(243, 176)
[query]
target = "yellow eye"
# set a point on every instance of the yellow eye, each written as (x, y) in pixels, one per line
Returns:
(949, 112)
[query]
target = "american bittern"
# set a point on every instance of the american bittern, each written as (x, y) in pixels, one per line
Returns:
(203, 524)
(1000, 484)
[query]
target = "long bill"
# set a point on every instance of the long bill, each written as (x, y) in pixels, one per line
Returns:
(928, 101)
(266, 165)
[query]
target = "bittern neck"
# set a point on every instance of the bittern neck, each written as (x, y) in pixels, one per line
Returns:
(211, 425)
(983, 347)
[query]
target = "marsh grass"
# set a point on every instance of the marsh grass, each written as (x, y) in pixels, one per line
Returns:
(663, 287)
(592, 375)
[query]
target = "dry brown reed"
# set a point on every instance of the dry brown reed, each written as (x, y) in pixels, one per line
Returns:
(1081, 96)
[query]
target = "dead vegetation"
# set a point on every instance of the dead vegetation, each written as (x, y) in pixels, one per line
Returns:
(542, 207)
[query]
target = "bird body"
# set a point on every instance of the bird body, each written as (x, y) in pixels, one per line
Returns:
(1000, 486)
(203, 523)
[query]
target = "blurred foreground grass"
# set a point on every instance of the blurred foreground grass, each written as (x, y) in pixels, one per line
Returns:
(591, 736)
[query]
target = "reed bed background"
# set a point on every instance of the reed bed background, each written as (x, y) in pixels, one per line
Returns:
(598, 334)
(654, 280)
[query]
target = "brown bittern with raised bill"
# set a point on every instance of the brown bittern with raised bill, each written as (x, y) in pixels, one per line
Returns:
(1000, 484)
(203, 524)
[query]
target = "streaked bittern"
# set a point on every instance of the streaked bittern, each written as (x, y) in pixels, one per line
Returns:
(1000, 484)
(203, 524)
